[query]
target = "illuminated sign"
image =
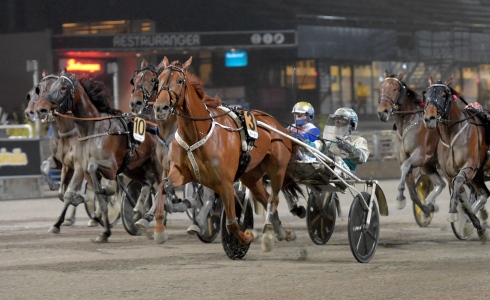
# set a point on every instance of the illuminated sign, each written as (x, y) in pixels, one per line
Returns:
(73, 65)
(236, 59)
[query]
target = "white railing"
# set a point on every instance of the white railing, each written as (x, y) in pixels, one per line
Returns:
(382, 144)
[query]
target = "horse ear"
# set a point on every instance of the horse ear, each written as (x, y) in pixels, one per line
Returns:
(431, 80)
(450, 80)
(400, 76)
(144, 63)
(386, 74)
(44, 73)
(165, 62)
(162, 65)
(186, 65)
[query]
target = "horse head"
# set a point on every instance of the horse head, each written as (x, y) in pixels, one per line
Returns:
(392, 95)
(61, 92)
(145, 87)
(438, 98)
(173, 83)
(42, 107)
(32, 98)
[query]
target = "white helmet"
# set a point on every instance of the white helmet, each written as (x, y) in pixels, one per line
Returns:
(304, 108)
(349, 114)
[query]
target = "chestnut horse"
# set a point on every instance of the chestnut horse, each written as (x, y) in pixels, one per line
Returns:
(208, 147)
(106, 145)
(417, 144)
(462, 152)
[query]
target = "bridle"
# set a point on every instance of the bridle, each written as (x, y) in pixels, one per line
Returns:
(138, 86)
(165, 86)
(442, 105)
(395, 104)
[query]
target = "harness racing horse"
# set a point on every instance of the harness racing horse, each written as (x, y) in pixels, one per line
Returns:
(462, 152)
(417, 144)
(208, 148)
(106, 145)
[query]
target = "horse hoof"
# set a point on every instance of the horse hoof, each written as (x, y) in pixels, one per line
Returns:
(436, 207)
(142, 224)
(160, 237)
(54, 229)
(483, 213)
(193, 229)
(102, 238)
(252, 233)
(67, 223)
(452, 217)
(468, 229)
(92, 223)
(290, 235)
(400, 204)
(267, 242)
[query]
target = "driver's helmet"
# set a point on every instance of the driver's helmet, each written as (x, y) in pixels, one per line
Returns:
(302, 109)
(340, 123)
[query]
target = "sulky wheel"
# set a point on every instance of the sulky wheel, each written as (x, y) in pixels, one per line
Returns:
(113, 207)
(213, 220)
(230, 243)
(128, 202)
(321, 216)
(463, 227)
(423, 187)
(363, 241)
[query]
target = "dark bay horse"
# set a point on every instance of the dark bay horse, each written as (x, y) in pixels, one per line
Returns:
(417, 144)
(208, 146)
(462, 152)
(106, 144)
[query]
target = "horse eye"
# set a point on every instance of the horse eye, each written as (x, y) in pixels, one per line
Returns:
(63, 88)
(180, 81)
(152, 80)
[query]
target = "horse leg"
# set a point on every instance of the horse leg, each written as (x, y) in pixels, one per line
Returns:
(200, 220)
(439, 185)
(138, 209)
(405, 169)
(46, 166)
(159, 232)
(227, 194)
(100, 195)
(56, 227)
(71, 220)
(457, 184)
(427, 208)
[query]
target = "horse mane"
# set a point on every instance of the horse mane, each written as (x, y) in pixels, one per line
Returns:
(196, 83)
(98, 94)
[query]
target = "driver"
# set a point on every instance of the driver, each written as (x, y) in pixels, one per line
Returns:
(302, 128)
(348, 150)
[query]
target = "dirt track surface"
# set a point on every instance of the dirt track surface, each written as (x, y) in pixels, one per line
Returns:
(410, 262)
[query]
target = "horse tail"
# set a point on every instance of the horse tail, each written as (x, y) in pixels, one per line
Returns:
(291, 187)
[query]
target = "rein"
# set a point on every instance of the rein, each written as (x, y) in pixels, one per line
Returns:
(84, 119)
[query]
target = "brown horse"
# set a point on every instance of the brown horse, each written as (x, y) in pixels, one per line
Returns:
(417, 144)
(106, 145)
(462, 152)
(145, 82)
(208, 148)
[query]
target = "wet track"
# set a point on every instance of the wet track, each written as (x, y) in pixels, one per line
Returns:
(410, 262)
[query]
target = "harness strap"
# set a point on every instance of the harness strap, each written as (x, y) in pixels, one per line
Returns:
(168, 141)
(193, 147)
(402, 136)
(238, 123)
(69, 133)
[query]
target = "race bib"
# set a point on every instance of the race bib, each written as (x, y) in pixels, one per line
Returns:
(139, 129)
(251, 125)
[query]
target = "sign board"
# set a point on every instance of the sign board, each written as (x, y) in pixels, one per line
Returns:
(184, 40)
(20, 157)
